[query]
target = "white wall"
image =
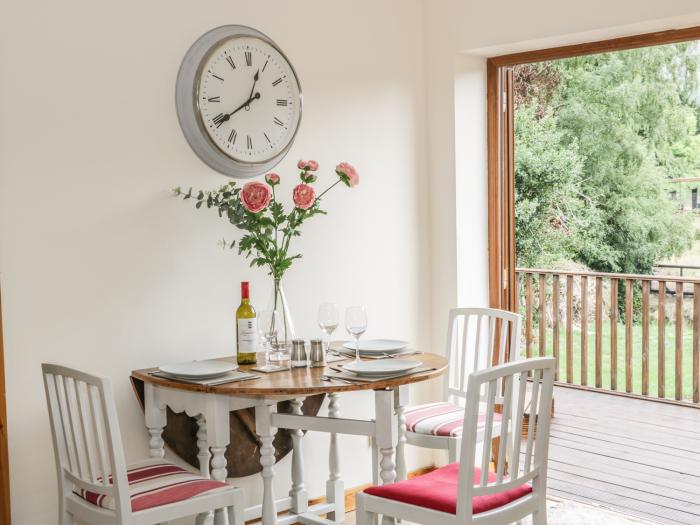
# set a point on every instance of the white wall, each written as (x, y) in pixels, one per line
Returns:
(103, 269)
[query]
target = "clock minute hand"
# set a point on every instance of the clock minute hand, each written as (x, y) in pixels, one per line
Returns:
(226, 116)
(255, 80)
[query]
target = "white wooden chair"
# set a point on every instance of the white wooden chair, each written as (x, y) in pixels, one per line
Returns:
(95, 485)
(473, 335)
(462, 493)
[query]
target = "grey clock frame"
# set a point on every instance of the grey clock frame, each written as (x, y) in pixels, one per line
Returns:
(187, 104)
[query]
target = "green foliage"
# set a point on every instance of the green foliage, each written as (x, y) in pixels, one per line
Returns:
(617, 127)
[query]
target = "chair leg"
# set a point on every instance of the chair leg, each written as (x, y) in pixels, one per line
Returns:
(235, 512)
(362, 516)
(539, 517)
(453, 446)
(375, 461)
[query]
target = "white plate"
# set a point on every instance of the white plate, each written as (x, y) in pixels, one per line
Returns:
(377, 345)
(206, 369)
(381, 367)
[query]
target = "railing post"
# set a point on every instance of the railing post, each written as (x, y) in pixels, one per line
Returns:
(584, 330)
(569, 328)
(645, 338)
(613, 334)
(542, 325)
(555, 322)
(598, 332)
(528, 314)
(696, 343)
(628, 335)
(679, 341)
(661, 372)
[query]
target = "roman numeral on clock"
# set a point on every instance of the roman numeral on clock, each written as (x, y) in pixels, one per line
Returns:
(281, 102)
(214, 99)
(278, 121)
(268, 138)
(232, 136)
(277, 81)
(249, 142)
(248, 58)
(230, 62)
(216, 76)
(219, 119)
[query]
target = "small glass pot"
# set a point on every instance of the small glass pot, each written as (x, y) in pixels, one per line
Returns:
(318, 356)
(298, 357)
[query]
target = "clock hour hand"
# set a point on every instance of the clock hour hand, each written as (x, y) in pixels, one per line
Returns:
(223, 117)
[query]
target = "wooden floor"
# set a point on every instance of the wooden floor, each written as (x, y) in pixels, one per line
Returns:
(640, 458)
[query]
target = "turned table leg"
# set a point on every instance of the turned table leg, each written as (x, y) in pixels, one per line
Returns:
(265, 431)
(156, 419)
(300, 498)
(400, 401)
(386, 435)
(334, 486)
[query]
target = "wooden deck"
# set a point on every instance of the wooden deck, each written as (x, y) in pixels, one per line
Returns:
(638, 457)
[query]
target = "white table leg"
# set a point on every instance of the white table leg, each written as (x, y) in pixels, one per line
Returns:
(300, 498)
(386, 435)
(203, 446)
(203, 456)
(156, 418)
(335, 491)
(400, 401)
(218, 437)
(265, 431)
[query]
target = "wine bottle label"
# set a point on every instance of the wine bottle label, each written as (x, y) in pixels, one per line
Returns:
(247, 335)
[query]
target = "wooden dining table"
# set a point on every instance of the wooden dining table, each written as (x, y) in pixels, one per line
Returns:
(212, 406)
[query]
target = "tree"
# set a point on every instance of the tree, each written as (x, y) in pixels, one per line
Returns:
(629, 118)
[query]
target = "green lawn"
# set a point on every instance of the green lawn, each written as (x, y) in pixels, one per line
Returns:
(670, 353)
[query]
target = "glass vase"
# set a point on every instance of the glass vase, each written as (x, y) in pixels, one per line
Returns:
(285, 333)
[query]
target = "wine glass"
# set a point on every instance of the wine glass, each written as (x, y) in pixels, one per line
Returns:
(356, 324)
(328, 319)
(269, 323)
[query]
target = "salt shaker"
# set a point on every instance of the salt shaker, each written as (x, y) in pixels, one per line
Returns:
(298, 356)
(318, 356)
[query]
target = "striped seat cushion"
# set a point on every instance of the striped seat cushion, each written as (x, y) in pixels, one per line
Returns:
(440, 419)
(153, 483)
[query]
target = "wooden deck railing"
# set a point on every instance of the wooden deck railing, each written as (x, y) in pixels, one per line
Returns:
(561, 309)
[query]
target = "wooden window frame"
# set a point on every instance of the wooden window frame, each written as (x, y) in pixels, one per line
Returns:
(500, 141)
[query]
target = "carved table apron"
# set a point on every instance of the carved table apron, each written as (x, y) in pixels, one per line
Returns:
(211, 406)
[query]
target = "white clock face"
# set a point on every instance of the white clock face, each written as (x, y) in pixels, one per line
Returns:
(249, 100)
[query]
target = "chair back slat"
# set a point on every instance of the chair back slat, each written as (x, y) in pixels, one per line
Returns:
(98, 425)
(86, 435)
(478, 338)
(511, 380)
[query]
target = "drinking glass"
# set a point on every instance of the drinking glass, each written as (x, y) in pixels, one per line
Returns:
(328, 320)
(269, 323)
(356, 324)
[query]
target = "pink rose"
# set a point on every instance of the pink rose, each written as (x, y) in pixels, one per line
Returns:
(347, 174)
(255, 196)
(272, 179)
(307, 165)
(303, 196)
(308, 177)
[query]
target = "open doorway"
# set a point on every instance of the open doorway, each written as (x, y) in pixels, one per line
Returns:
(594, 168)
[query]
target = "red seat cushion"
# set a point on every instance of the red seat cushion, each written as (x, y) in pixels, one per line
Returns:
(153, 483)
(437, 490)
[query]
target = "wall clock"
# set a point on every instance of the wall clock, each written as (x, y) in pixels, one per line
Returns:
(238, 101)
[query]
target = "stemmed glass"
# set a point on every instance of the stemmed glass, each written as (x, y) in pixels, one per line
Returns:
(269, 323)
(356, 324)
(328, 320)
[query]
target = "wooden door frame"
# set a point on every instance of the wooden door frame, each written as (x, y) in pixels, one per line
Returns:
(4, 457)
(500, 142)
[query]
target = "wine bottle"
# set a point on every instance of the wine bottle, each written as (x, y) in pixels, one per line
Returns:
(246, 328)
